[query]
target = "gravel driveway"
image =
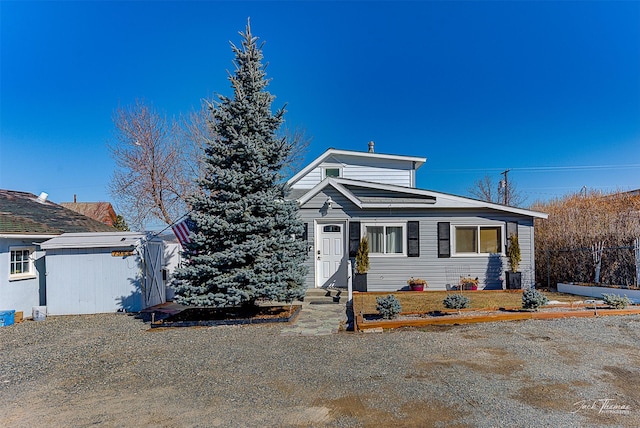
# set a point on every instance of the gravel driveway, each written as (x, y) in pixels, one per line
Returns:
(112, 370)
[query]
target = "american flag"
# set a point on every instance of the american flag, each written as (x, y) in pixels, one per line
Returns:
(183, 229)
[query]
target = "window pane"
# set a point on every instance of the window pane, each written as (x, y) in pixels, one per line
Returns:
(375, 237)
(394, 239)
(466, 240)
(490, 240)
(20, 262)
(332, 172)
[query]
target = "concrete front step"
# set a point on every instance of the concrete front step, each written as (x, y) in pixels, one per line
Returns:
(318, 296)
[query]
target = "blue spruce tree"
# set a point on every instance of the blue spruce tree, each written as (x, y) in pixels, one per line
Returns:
(248, 242)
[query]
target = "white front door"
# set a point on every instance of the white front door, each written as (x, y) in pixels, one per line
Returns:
(331, 266)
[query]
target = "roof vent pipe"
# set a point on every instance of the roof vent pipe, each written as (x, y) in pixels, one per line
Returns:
(371, 144)
(43, 197)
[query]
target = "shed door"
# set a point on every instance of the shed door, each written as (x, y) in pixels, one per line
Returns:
(331, 263)
(154, 293)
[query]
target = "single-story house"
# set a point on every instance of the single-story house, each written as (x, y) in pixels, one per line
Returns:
(90, 273)
(27, 220)
(345, 195)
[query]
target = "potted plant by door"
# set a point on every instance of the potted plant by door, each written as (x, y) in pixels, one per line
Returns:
(514, 278)
(417, 284)
(362, 266)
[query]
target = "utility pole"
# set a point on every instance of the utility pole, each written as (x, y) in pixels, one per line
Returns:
(505, 185)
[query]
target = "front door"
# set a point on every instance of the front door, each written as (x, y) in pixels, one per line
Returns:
(331, 266)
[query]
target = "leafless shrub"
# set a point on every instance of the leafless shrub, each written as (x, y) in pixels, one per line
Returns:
(575, 223)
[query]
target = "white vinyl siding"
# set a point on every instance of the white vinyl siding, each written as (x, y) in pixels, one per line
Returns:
(384, 171)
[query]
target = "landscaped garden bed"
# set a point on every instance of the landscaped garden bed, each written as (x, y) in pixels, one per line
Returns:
(192, 317)
(426, 308)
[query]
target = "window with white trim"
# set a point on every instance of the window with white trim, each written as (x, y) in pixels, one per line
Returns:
(477, 239)
(332, 171)
(386, 238)
(21, 263)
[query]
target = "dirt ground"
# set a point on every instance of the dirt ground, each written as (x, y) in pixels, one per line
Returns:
(113, 370)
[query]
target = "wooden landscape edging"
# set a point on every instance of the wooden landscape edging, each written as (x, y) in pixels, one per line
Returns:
(361, 324)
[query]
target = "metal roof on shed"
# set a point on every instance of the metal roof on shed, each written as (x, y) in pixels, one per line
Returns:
(95, 240)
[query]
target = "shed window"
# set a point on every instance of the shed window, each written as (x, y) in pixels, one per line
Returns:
(21, 263)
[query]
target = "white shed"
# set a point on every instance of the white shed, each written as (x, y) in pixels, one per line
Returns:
(89, 273)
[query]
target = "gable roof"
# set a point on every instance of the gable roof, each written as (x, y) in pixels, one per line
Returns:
(387, 196)
(100, 211)
(23, 213)
(350, 153)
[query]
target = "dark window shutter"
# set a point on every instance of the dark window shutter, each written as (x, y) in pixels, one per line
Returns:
(512, 228)
(354, 238)
(413, 239)
(305, 232)
(444, 240)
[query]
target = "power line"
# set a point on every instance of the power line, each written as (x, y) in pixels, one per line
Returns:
(542, 168)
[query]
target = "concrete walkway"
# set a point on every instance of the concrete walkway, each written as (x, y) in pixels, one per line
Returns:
(318, 320)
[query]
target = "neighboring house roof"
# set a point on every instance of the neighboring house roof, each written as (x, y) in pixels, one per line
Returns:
(95, 240)
(418, 161)
(390, 196)
(23, 213)
(100, 211)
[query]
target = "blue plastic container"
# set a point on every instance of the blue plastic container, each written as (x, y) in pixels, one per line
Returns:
(7, 318)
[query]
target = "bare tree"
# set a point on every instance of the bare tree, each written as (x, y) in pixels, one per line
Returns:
(152, 177)
(485, 189)
(196, 131)
(299, 141)
(159, 162)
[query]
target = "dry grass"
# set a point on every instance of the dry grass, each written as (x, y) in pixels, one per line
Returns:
(428, 301)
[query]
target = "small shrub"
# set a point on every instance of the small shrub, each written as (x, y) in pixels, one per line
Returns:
(533, 299)
(456, 301)
(389, 307)
(513, 253)
(616, 301)
(362, 256)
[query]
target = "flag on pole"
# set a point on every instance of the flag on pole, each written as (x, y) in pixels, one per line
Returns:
(183, 229)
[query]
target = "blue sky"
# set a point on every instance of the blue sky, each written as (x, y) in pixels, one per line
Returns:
(550, 90)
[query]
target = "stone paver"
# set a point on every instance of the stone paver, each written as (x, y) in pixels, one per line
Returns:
(317, 320)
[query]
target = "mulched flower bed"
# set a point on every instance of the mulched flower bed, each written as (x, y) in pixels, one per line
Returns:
(192, 317)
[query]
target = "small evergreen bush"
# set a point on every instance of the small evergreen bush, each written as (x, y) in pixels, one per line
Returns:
(389, 307)
(362, 256)
(616, 301)
(456, 301)
(513, 253)
(533, 299)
